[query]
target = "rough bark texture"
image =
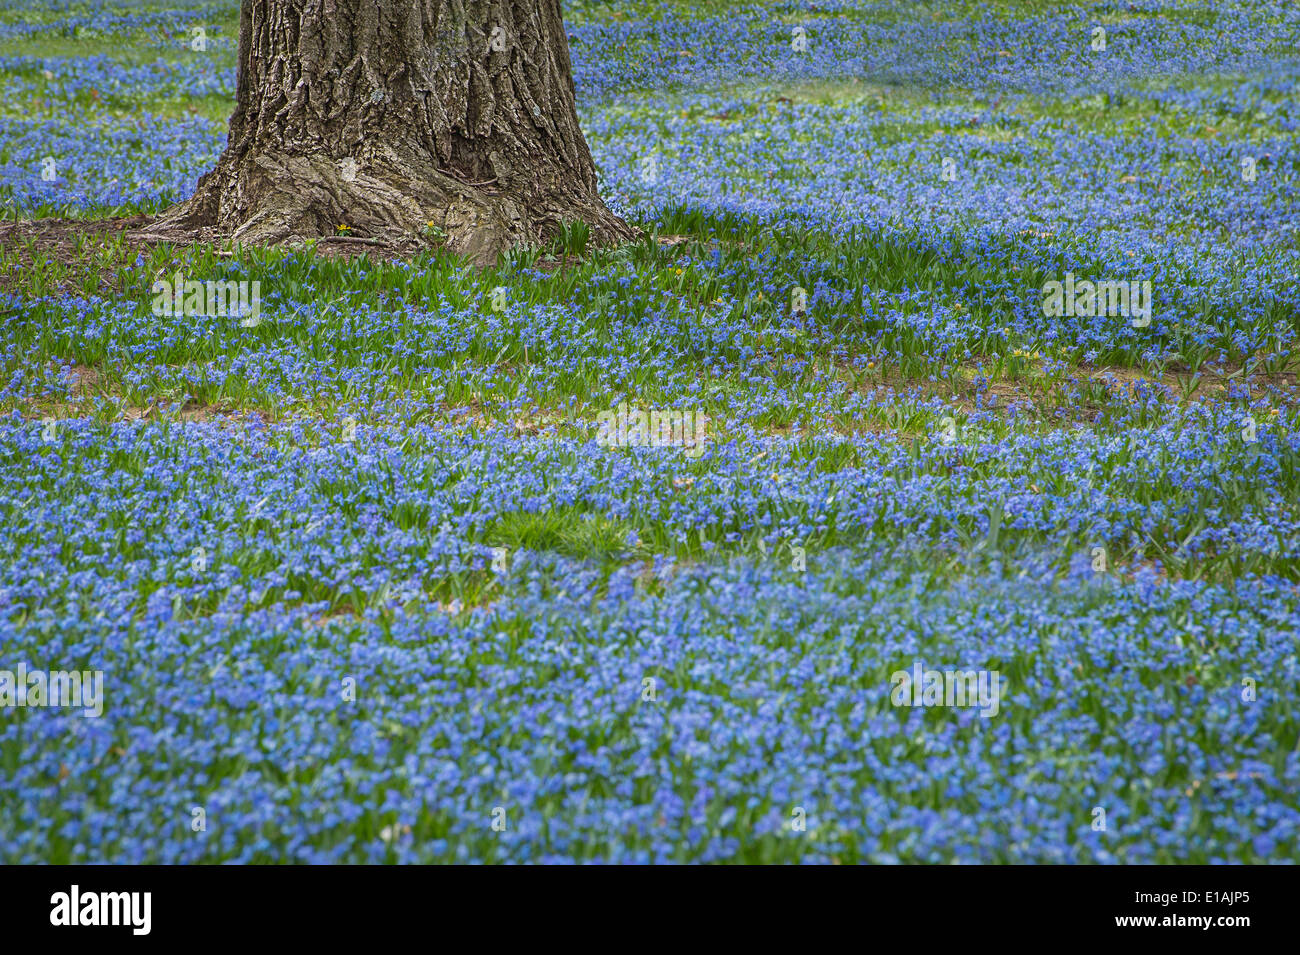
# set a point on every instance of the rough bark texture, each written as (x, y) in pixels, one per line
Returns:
(401, 119)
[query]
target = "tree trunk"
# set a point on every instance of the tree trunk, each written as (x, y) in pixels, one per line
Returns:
(411, 122)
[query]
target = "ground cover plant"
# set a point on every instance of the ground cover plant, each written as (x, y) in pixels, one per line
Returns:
(617, 554)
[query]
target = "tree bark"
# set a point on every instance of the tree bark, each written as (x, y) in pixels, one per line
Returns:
(411, 122)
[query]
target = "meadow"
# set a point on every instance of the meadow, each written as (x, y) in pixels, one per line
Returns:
(368, 580)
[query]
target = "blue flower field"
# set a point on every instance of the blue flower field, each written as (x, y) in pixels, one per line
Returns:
(670, 552)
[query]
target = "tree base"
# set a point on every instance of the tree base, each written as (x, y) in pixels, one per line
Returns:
(448, 123)
(402, 203)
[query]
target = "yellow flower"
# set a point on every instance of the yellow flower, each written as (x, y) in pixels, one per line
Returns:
(871, 364)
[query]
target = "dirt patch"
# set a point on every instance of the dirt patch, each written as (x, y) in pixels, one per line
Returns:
(83, 380)
(1120, 381)
(72, 244)
(80, 248)
(1211, 383)
(86, 384)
